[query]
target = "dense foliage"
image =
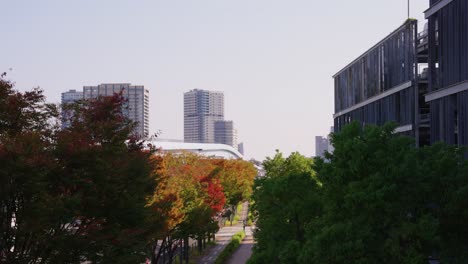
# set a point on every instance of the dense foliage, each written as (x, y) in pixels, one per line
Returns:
(285, 201)
(193, 194)
(74, 194)
(94, 192)
(376, 199)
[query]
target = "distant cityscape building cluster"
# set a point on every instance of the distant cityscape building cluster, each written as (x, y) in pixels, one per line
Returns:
(204, 119)
(137, 101)
(203, 113)
(419, 80)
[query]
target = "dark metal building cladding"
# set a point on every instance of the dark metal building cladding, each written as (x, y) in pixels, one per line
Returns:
(448, 37)
(385, 66)
(449, 119)
(398, 107)
(448, 66)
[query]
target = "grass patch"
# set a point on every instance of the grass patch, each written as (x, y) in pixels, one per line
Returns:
(230, 248)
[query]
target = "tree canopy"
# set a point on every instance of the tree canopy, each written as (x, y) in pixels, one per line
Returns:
(94, 192)
(375, 199)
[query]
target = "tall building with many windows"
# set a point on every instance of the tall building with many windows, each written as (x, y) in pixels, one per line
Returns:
(225, 133)
(321, 146)
(201, 110)
(138, 102)
(69, 97)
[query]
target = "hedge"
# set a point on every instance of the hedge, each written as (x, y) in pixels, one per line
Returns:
(231, 247)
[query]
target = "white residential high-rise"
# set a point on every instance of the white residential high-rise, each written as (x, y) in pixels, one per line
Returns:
(138, 102)
(321, 146)
(69, 97)
(201, 110)
(225, 133)
(324, 144)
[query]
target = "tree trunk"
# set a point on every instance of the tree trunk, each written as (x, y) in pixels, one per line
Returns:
(186, 249)
(200, 246)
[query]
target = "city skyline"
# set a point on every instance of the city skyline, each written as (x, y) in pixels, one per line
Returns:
(137, 102)
(267, 57)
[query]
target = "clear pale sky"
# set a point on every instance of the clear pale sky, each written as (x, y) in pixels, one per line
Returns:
(272, 58)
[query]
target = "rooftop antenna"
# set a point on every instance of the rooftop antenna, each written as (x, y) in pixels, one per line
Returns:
(408, 9)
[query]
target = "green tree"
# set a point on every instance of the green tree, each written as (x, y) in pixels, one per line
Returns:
(286, 200)
(376, 199)
(364, 183)
(104, 183)
(388, 202)
(72, 195)
(443, 188)
(27, 160)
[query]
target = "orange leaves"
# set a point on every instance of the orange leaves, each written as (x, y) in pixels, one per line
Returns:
(192, 189)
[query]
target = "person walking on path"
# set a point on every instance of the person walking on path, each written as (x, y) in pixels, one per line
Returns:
(244, 252)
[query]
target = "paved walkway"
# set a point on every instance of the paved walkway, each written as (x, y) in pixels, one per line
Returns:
(243, 253)
(223, 237)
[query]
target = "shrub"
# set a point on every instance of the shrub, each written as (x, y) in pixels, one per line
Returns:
(231, 247)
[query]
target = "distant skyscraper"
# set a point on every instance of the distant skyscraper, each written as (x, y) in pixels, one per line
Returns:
(138, 102)
(240, 148)
(225, 133)
(69, 97)
(321, 145)
(201, 110)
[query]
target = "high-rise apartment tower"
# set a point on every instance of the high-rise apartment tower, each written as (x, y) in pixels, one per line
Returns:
(138, 102)
(69, 97)
(321, 146)
(201, 110)
(225, 133)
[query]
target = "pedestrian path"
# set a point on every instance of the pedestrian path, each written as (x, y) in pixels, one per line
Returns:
(223, 237)
(243, 253)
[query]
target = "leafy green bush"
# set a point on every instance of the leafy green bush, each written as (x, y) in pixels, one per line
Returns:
(231, 247)
(239, 208)
(250, 219)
